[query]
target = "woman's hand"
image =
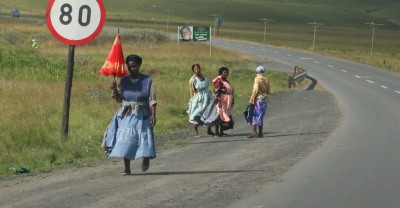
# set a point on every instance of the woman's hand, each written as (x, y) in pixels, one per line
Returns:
(113, 85)
(153, 115)
(153, 120)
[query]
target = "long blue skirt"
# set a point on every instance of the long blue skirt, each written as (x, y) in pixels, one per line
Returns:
(260, 107)
(130, 137)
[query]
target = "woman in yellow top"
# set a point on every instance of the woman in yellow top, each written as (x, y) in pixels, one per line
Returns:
(258, 102)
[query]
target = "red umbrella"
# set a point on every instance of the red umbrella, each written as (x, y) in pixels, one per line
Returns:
(115, 62)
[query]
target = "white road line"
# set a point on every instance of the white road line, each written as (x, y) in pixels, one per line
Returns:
(317, 62)
(239, 45)
(227, 43)
(276, 52)
(252, 47)
(263, 50)
(331, 66)
(363, 77)
(305, 58)
(397, 92)
(383, 86)
(343, 70)
(289, 55)
(370, 81)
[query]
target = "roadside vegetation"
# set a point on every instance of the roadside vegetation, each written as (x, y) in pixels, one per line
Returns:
(32, 80)
(32, 91)
(344, 33)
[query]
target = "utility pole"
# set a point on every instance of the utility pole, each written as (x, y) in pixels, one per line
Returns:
(217, 22)
(315, 32)
(372, 24)
(265, 25)
(168, 11)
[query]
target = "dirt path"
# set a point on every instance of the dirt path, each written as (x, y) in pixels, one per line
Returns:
(207, 172)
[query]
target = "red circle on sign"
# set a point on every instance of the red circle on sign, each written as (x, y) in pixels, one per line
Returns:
(66, 40)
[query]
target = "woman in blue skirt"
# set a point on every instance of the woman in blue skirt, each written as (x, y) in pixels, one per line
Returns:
(258, 102)
(130, 132)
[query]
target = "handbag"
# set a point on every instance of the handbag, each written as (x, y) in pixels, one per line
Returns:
(249, 113)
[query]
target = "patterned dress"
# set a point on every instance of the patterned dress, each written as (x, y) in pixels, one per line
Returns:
(259, 98)
(224, 90)
(130, 133)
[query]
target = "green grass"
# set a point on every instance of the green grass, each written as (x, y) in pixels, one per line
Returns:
(32, 88)
(343, 35)
(340, 13)
(32, 81)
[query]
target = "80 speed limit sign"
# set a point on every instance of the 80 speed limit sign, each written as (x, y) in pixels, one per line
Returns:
(75, 22)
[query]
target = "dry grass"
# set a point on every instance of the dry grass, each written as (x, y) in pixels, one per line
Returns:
(32, 92)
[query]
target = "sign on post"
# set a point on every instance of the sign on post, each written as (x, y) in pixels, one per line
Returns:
(194, 34)
(74, 22)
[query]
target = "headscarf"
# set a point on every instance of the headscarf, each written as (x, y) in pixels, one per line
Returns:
(135, 58)
(222, 69)
(260, 69)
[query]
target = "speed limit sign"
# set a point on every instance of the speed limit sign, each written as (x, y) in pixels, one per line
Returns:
(75, 22)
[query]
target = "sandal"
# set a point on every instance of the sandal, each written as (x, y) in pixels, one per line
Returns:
(252, 136)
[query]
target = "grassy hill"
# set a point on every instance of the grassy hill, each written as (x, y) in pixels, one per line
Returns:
(338, 13)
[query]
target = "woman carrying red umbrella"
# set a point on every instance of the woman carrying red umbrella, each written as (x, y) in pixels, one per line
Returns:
(130, 132)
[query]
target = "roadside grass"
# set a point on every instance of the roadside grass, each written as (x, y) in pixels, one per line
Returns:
(32, 91)
(32, 81)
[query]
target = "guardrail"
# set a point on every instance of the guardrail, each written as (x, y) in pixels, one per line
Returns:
(298, 75)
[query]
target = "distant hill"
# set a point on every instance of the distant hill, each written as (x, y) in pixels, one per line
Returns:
(343, 13)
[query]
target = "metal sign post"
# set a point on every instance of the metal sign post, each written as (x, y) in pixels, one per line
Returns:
(74, 22)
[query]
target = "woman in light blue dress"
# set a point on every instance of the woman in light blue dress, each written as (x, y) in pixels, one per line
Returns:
(200, 98)
(130, 132)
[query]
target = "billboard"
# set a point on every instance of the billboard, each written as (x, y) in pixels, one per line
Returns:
(194, 33)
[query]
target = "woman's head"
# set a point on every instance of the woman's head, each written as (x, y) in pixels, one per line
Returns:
(133, 63)
(260, 69)
(224, 72)
(196, 68)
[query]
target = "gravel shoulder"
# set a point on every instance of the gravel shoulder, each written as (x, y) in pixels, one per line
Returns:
(202, 172)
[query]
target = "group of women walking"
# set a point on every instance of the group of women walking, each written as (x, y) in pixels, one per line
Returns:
(207, 109)
(129, 134)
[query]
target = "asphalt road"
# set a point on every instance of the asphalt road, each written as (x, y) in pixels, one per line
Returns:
(358, 165)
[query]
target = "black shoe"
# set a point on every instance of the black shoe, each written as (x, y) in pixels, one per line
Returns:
(145, 164)
(261, 135)
(126, 172)
(210, 133)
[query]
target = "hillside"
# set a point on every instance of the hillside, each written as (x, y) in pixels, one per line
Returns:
(347, 13)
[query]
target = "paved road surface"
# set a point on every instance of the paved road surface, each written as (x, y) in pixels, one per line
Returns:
(359, 164)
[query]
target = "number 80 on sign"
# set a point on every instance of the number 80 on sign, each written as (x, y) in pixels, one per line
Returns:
(75, 22)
